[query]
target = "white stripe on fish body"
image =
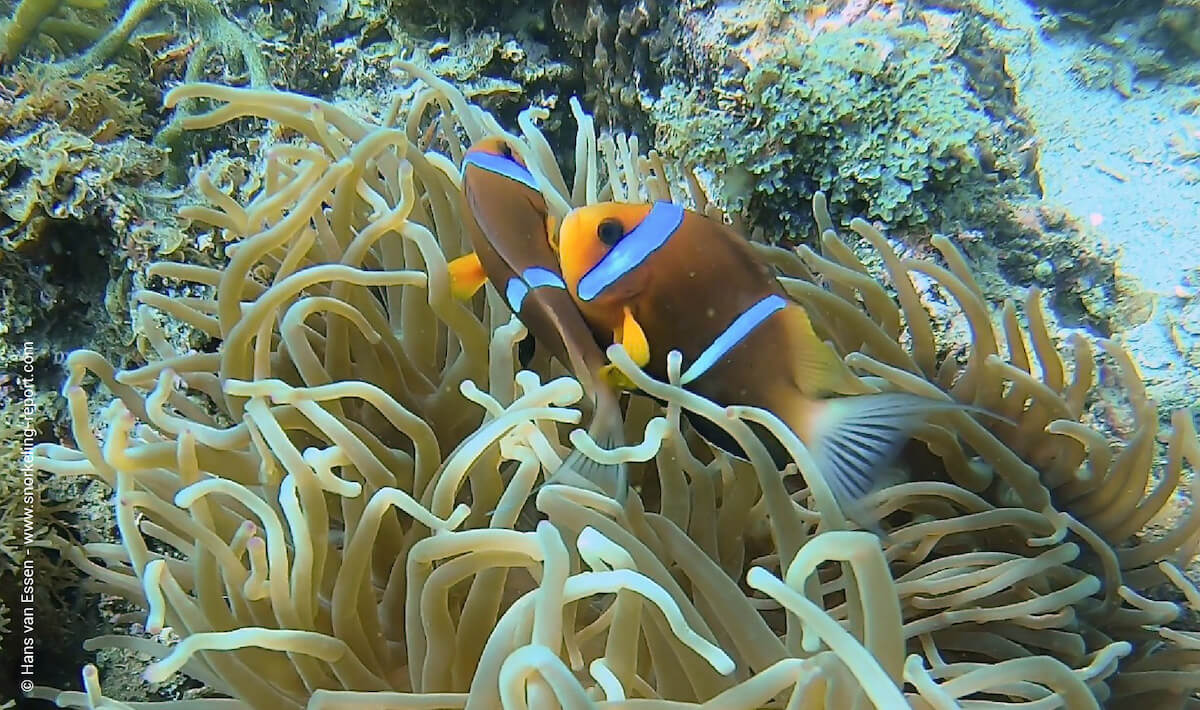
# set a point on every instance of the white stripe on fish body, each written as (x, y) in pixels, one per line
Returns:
(734, 333)
(504, 167)
(518, 288)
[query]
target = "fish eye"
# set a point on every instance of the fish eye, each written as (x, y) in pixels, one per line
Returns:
(610, 231)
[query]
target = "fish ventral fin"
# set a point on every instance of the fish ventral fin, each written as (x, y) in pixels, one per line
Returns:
(853, 439)
(581, 471)
(631, 335)
(616, 379)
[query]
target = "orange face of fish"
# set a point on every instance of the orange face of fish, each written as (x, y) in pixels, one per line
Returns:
(662, 278)
(601, 250)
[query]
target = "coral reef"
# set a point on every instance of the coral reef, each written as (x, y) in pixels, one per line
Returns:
(625, 50)
(85, 206)
(877, 109)
(34, 506)
(1033, 243)
(67, 202)
(52, 17)
(221, 49)
(78, 213)
(94, 104)
(317, 514)
(81, 195)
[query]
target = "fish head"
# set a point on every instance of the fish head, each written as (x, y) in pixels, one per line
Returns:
(603, 248)
(497, 156)
(503, 200)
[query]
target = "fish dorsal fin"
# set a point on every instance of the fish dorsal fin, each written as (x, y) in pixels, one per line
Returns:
(817, 369)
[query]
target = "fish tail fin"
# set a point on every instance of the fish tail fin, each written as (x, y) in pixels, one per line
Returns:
(608, 431)
(853, 439)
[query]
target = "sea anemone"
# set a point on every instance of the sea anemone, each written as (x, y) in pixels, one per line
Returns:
(328, 510)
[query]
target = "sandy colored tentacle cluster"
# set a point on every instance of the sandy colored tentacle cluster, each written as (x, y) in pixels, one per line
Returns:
(331, 511)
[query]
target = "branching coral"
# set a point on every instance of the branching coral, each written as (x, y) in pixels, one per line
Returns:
(324, 522)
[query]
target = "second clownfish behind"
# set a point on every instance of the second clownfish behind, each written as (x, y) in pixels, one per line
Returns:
(509, 225)
(662, 278)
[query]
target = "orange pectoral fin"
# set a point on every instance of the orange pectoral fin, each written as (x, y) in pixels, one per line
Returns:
(466, 276)
(616, 379)
(631, 335)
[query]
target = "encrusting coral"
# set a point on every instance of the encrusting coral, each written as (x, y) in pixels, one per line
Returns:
(872, 110)
(905, 112)
(327, 509)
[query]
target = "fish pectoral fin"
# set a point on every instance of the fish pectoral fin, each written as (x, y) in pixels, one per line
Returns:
(616, 379)
(853, 439)
(466, 276)
(631, 335)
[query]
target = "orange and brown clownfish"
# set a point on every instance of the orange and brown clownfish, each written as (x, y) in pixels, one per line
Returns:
(510, 228)
(662, 278)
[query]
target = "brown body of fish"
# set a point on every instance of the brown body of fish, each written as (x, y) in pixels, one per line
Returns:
(662, 278)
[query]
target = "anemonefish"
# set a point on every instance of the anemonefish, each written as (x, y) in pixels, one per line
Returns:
(510, 229)
(661, 278)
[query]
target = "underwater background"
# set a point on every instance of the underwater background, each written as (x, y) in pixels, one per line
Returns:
(1055, 144)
